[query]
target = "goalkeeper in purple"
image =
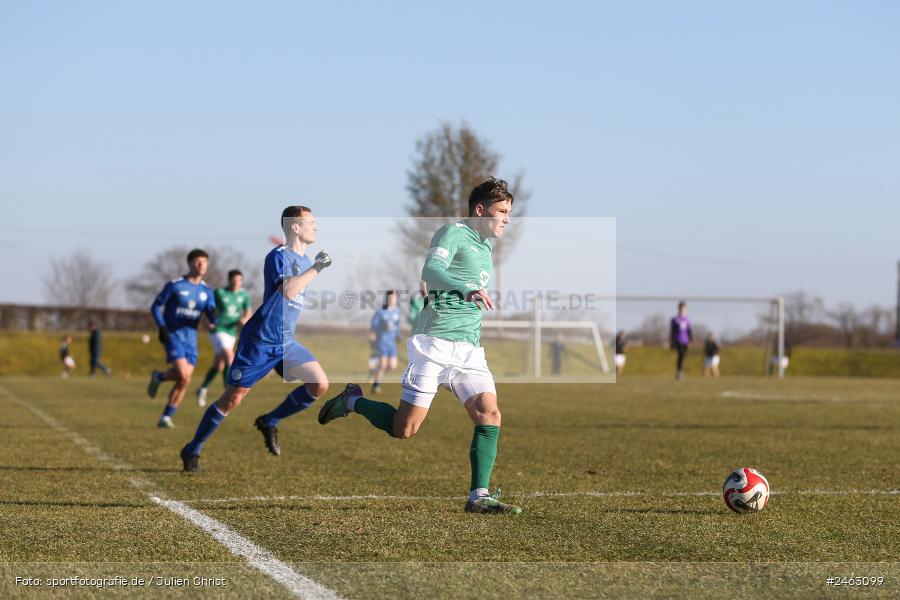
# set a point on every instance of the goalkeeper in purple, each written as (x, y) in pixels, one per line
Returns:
(267, 340)
(177, 311)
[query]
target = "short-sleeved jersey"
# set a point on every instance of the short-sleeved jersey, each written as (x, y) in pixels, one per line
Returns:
(276, 319)
(386, 324)
(710, 348)
(181, 303)
(231, 306)
(459, 262)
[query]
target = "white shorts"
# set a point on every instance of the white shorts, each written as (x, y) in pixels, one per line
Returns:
(620, 360)
(222, 341)
(433, 362)
(710, 362)
(69, 362)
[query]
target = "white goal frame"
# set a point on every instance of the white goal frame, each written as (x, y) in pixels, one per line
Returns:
(777, 303)
(536, 324)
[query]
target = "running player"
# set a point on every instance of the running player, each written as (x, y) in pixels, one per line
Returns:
(233, 304)
(383, 334)
(445, 346)
(177, 312)
(267, 340)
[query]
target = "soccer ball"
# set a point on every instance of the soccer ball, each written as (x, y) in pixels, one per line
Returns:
(746, 491)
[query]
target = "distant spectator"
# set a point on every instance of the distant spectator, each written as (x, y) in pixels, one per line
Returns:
(95, 347)
(711, 356)
(557, 349)
(620, 353)
(67, 361)
(680, 337)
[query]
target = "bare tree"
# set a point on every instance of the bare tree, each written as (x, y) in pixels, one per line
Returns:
(449, 162)
(171, 263)
(79, 280)
(846, 320)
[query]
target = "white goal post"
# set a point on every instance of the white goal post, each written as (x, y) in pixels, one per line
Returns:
(537, 325)
(776, 303)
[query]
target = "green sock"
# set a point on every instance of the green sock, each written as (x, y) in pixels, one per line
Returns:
(210, 375)
(379, 414)
(482, 454)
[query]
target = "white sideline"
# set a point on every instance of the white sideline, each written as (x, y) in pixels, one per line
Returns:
(255, 555)
(738, 395)
(589, 494)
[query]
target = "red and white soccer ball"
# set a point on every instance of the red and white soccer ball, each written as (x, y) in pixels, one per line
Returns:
(746, 490)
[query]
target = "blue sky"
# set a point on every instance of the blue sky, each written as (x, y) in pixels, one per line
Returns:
(742, 148)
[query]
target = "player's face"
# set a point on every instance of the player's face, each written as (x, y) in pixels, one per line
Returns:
(306, 228)
(392, 300)
(237, 282)
(199, 266)
(496, 218)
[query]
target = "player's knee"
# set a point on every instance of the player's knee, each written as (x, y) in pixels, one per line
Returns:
(404, 432)
(487, 416)
(318, 388)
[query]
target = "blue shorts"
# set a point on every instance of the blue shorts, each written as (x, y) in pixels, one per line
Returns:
(386, 349)
(254, 359)
(181, 346)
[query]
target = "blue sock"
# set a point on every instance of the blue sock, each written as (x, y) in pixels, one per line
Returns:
(296, 401)
(169, 411)
(212, 418)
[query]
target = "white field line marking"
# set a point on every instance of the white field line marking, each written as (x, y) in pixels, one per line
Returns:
(257, 556)
(588, 494)
(735, 395)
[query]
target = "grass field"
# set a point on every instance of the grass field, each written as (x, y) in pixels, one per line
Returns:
(620, 485)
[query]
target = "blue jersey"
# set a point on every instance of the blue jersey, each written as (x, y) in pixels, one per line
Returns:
(180, 304)
(386, 324)
(276, 319)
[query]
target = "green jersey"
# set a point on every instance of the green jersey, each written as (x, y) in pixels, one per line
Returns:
(231, 307)
(458, 263)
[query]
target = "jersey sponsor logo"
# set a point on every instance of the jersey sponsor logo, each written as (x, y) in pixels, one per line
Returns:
(184, 292)
(439, 252)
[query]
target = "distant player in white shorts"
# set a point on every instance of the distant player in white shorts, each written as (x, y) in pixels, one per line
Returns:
(233, 303)
(445, 348)
(620, 353)
(711, 356)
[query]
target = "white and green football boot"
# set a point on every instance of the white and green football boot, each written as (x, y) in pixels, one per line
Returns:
(492, 505)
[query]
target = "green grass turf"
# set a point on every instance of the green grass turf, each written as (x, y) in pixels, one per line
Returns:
(37, 353)
(648, 436)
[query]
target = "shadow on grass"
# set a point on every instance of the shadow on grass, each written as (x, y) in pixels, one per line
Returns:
(88, 469)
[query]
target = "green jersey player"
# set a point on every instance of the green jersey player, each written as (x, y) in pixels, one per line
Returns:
(233, 303)
(445, 346)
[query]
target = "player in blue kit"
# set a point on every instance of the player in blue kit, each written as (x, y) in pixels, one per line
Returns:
(383, 335)
(177, 312)
(267, 340)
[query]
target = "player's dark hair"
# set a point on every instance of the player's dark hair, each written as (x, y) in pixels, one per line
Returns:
(387, 296)
(234, 273)
(491, 191)
(291, 215)
(196, 253)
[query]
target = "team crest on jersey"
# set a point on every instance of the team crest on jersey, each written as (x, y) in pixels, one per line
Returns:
(484, 277)
(236, 374)
(203, 296)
